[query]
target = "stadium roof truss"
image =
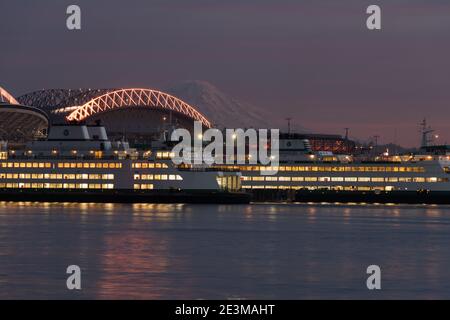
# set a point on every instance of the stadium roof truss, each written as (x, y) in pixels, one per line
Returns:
(123, 98)
(54, 100)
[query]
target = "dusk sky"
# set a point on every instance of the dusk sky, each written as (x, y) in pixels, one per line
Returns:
(314, 61)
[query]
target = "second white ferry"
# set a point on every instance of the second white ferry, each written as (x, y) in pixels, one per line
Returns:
(304, 175)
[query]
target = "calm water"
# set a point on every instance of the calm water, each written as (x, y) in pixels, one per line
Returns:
(262, 251)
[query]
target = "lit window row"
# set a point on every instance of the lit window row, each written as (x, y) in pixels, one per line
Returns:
(146, 165)
(157, 177)
(164, 155)
(59, 176)
(57, 185)
(345, 188)
(26, 165)
(143, 186)
(89, 165)
(346, 179)
(327, 168)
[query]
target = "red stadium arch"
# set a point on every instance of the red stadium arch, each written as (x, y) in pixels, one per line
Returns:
(6, 97)
(136, 98)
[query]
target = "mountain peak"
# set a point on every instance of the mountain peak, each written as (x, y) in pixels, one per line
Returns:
(220, 108)
(196, 85)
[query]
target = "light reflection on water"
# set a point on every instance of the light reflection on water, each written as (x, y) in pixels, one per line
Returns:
(286, 251)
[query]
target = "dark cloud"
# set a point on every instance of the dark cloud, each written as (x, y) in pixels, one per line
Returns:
(312, 60)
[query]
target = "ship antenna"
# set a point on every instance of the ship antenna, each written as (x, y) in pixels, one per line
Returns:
(346, 140)
(289, 124)
(376, 137)
(426, 130)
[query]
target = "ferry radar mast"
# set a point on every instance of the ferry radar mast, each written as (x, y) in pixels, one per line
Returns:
(426, 131)
(289, 124)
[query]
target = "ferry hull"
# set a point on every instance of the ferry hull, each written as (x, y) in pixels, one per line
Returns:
(125, 196)
(407, 197)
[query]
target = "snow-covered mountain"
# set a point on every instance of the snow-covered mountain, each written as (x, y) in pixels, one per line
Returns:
(221, 109)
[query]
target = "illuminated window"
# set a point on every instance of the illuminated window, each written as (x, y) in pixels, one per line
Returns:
(257, 178)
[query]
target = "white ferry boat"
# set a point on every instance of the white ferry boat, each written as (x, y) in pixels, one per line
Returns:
(323, 176)
(80, 163)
